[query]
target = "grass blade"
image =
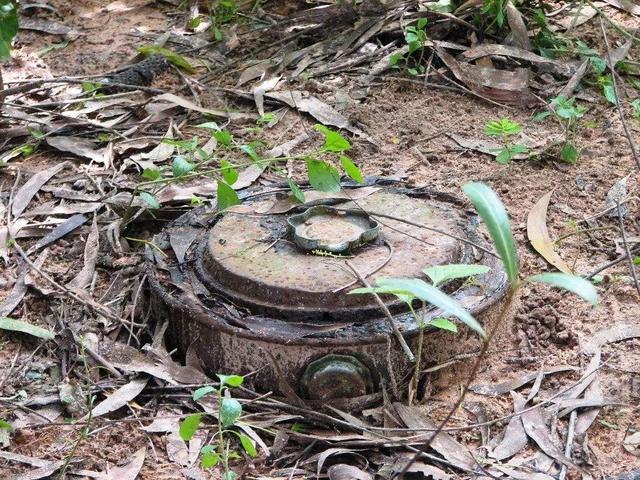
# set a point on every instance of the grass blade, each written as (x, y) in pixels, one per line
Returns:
(496, 219)
(24, 327)
(572, 283)
(428, 293)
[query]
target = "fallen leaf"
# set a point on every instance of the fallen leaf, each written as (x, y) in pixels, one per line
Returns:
(131, 469)
(615, 196)
(181, 239)
(319, 110)
(509, 385)
(538, 234)
(83, 279)
(48, 26)
(43, 472)
(260, 88)
(119, 398)
(24, 327)
(517, 26)
(342, 471)
(616, 333)
(586, 418)
(328, 453)
(82, 147)
(626, 5)
(536, 428)
(504, 86)
(575, 16)
(443, 443)
(19, 290)
(494, 49)
(189, 105)
(25, 194)
(60, 231)
(632, 444)
(515, 437)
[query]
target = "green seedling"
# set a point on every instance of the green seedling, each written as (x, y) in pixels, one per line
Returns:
(229, 410)
(415, 36)
(568, 112)
(504, 129)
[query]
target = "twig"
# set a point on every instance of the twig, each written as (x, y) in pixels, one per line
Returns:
(392, 323)
(632, 144)
(568, 449)
(608, 265)
(632, 265)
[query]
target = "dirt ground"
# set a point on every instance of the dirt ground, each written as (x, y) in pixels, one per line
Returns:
(409, 125)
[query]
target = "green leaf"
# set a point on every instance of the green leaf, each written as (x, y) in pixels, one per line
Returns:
(227, 197)
(181, 166)
(7, 323)
(572, 283)
(540, 116)
(4, 425)
(444, 324)
(607, 89)
(333, 141)
(229, 173)
(403, 296)
(150, 200)
(496, 219)
(296, 191)
(171, 56)
(209, 126)
(249, 150)
(443, 273)
(223, 137)
(231, 380)
(503, 157)
(209, 457)
(189, 426)
(351, 169)
(636, 107)
(502, 128)
(230, 475)
(151, 174)
(248, 444)
(567, 108)
(394, 59)
(8, 27)
(428, 293)
(201, 392)
(322, 176)
(569, 153)
(518, 148)
(422, 22)
(230, 411)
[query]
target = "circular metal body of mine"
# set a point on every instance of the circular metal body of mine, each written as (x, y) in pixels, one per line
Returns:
(250, 291)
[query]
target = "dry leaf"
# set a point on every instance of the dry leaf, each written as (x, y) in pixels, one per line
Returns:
(537, 430)
(31, 187)
(585, 419)
(119, 398)
(66, 227)
(509, 385)
(614, 334)
(493, 49)
(260, 88)
(538, 234)
(82, 147)
(83, 279)
(517, 26)
(131, 469)
(342, 471)
(189, 105)
(515, 437)
(632, 444)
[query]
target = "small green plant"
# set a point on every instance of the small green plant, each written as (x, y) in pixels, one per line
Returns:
(504, 129)
(568, 112)
(496, 11)
(192, 161)
(8, 27)
(415, 36)
(219, 449)
(221, 12)
(636, 108)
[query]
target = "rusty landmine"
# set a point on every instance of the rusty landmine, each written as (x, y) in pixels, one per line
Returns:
(239, 291)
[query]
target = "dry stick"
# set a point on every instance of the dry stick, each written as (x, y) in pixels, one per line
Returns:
(403, 343)
(632, 265)
(634, 151)
(472, 376)
(569, 447)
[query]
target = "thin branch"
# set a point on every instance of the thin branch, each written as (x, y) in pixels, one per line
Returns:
(612, 67)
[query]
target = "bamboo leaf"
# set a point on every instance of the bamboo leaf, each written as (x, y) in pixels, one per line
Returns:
(7, 323)
(539, 235)
(496, 219)
(572, 283)
(428, 293)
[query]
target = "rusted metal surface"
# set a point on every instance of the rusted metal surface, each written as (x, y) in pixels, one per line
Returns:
(248, 299)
